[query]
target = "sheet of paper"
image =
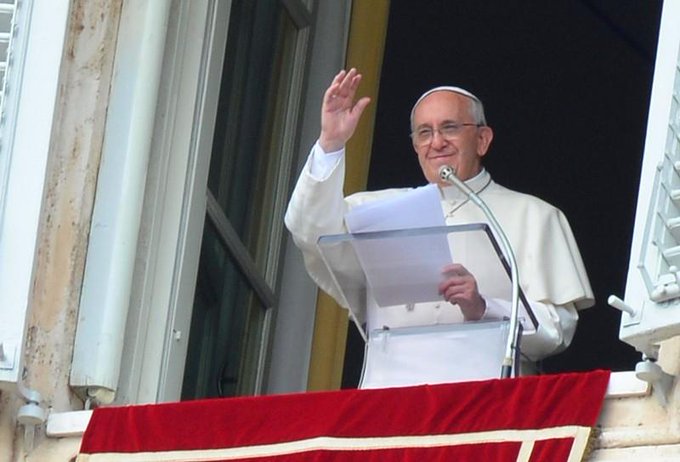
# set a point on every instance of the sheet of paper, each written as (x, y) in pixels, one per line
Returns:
(418, 208)
(402, 270)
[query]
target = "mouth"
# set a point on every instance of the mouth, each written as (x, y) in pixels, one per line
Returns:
(440, 157)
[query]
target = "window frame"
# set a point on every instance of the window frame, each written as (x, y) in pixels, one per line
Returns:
(172, 222)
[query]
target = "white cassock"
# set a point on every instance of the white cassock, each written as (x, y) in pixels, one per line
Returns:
(552, 274)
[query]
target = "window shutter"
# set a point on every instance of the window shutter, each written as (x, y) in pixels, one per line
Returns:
(11, 322)
(652, 302)
(7, 27)
(32, 37)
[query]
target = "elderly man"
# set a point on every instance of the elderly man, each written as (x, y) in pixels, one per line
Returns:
(448, 128)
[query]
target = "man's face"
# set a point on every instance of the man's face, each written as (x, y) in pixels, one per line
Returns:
(463, 151)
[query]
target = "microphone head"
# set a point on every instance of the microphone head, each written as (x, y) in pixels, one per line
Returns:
(446, 172)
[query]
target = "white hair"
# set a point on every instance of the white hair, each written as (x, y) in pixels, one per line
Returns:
(476, 109)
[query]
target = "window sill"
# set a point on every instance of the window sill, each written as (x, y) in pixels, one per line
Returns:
(626, 385)
(74, 423)
(67, 424)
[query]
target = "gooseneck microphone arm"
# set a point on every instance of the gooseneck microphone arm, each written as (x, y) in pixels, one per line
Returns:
(448, 174)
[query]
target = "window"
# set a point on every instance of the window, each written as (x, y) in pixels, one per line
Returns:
(250, 165)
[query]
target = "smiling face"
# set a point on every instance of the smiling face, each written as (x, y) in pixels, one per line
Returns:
(464, 151)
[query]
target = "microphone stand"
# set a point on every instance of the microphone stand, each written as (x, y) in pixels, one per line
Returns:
(448, 174)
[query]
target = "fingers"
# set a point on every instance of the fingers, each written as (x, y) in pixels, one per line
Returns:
(455, 293)
(456, 289)
(332, 90)
(455, 274)
(458, 286)
(455, 269)
(340, 114)
(359, 107)
(462, 291)
(343, 87)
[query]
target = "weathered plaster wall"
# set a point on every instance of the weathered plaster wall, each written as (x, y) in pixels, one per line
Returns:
(67, 207)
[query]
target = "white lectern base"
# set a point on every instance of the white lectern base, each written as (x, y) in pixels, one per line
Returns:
(443, 353)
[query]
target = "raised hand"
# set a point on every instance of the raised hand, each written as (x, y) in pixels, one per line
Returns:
(339, 113)
(460, 288)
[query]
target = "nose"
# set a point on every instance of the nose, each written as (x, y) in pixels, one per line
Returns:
(438, 140)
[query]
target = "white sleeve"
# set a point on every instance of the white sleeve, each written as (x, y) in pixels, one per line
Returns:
(317, 207)
(556, 326)
(321, 164)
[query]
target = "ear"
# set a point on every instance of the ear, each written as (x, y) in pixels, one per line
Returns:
(485, 138)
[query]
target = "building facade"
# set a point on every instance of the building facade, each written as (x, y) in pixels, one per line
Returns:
(148, 149)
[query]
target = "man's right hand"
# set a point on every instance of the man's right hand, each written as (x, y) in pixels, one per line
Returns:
(460, 288)
(339, 113)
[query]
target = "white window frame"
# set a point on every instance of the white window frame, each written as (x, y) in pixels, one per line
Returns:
(33, 93)
(158, 322)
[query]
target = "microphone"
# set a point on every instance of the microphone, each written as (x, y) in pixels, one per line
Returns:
(448, 174)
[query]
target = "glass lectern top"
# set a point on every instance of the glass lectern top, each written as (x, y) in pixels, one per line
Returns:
(405, 267)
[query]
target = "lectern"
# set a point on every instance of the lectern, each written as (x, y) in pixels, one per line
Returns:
(376, 273)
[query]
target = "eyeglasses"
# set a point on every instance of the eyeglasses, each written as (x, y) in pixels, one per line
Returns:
(424, 136)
